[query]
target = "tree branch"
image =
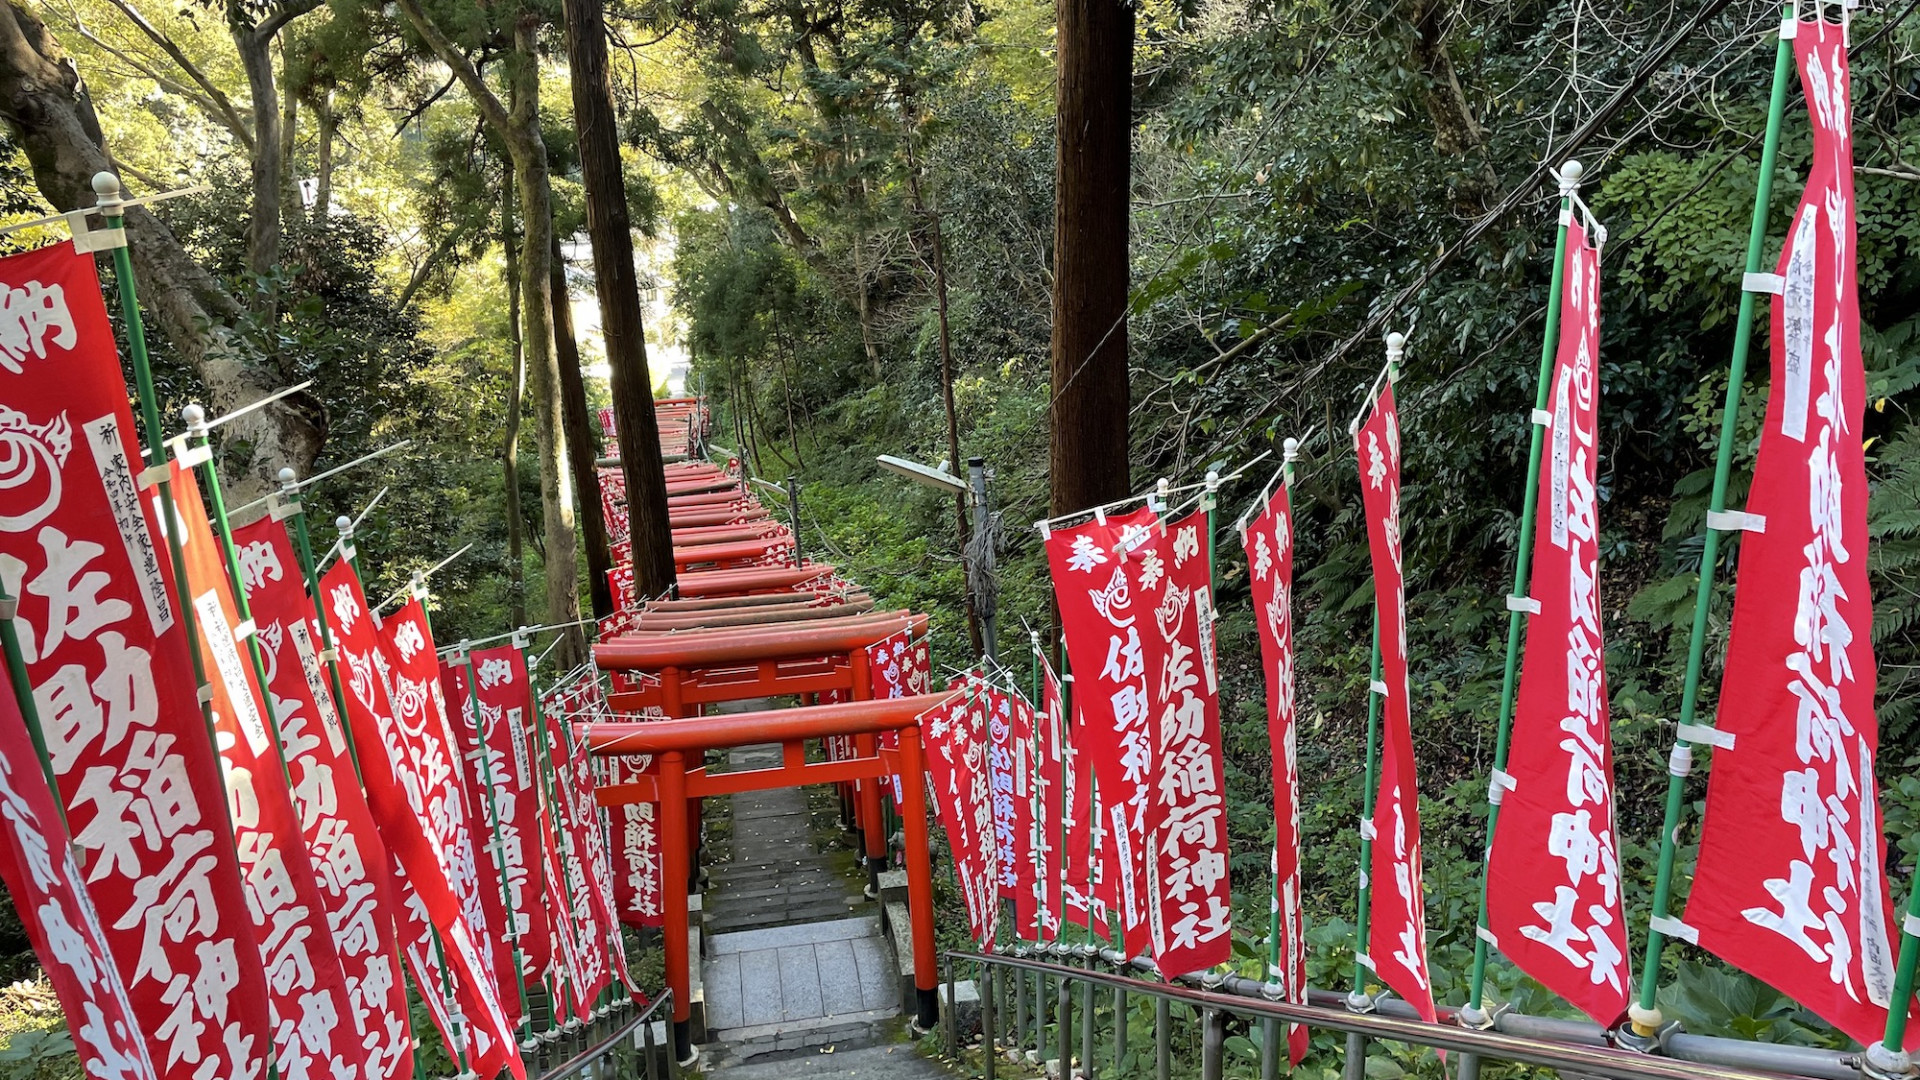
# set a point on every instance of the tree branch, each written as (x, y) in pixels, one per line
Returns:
(216, 102)
(483, 96)
(222, 108)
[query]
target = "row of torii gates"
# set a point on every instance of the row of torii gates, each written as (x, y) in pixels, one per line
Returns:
(752, 620)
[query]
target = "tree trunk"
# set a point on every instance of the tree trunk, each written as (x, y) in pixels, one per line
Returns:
(516, 398)
(1090, 395)
(329, 124)
(289, 138)
(965, 529)
(263, 228)
(580, 441)
(43, 107)
(636, 428)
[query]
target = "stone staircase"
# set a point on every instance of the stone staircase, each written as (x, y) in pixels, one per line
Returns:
(796, 966)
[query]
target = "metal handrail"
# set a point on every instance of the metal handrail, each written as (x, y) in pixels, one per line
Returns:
(1558, 1044)
(635, 1035)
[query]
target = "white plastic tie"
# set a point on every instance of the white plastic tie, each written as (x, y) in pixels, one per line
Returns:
(281, 509)
(1566, 215)
(244, 631)
(154, 474)
(1367, 831)
(1776, 284)
(1710, 736)
(1789, 28)
(87, 241)
(1911, 926)
(1363, 879)
(1046, 530)
(1680, 760)
(1524, 604)
(1499, 784)
(331, 656)
(1365, 960)
(1541, 418)
(192, 457)
(1486, 935)
(206, 693)
(1100, 515)
(1736, 521)
(1378, 687)
(348, 551)
(1674, 928)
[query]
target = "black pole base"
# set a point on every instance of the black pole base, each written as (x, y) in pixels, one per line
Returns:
(683, 1041)
(928, 1008)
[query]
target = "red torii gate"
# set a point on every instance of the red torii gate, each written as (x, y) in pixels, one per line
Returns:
(673, 786)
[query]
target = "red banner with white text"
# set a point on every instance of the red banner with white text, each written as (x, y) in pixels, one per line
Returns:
(1189, 906)
(1010, 754)
(1106, 611)
(956, 739)
(348, 856)
(1268, 539)
(1791, 884)
(505, 696)
(107, 661)
(1049, 732)
(306, 984)
(1554, 904)
(1397, 934)
(408, 773)
(36, 862)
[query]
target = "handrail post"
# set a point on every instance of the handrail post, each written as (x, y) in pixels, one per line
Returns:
(1162, 1039)
(1213, 1038)
(985, 977)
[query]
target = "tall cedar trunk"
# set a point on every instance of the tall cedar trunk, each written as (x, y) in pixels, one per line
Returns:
(519, 128)
(580, 441)
(1095, 95)
(329, 123)
(263, 227)
(289, 139)
(44, 109)
(516, 398)
(636, 428)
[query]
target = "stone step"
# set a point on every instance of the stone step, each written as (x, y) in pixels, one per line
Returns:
(785, 916)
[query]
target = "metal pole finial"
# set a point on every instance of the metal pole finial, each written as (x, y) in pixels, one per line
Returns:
(106, 187)
(344, 524)
(195, 417)
(1290, 451)
(1569, 176)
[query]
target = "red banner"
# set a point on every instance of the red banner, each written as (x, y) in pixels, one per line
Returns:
(585, 951)
(1791, 884)
(636, 847)
(1047, 809)
(1115, 655)
(347, 853)
(956, 739)
(1188, 903)
(1010, 760)
(900, 667)
(109, 669)
(1397, 940)
(486, 791)
(306, 985)
(592, 827)
(1077, 903)
(408, 772)
(506, 696)
(1554, 904)
(36, 862)
(1268, 539)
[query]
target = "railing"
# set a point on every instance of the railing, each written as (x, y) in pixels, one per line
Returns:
(609, 1047)
(1045, 994)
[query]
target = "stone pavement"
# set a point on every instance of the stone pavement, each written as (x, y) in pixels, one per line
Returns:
(898, 1061)
(796, 964)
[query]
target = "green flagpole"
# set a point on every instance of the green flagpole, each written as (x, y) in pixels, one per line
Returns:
(294, 510)
(1271, 1031)
(1474, 1015)
(106, 188)
(1644, 1018)
(1888, 1057)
